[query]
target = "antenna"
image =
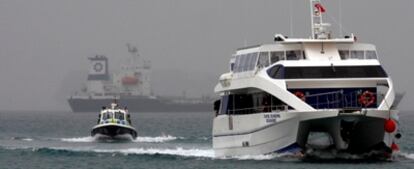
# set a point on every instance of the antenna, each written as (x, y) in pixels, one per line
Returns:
(134, 53)
(132, 49)
(244, 23)
(340, 18)
(290, 18)
(319, 28)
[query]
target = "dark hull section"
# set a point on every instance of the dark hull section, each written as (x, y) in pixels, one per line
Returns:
(348, 134)
(114, 131)
(138, 105)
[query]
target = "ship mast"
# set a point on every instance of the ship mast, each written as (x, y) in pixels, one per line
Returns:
(134, 52)
(319, 28)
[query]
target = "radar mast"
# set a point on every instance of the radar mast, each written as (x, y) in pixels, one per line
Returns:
(319, 28)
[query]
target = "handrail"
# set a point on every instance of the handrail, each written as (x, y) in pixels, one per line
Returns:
(257, 109)
(336, 99)
(326, 93)
(328, 100)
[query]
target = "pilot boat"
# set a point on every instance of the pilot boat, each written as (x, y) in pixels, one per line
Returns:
(114, 123)
(306, 95)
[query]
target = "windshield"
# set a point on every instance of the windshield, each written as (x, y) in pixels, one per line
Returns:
(119, 115)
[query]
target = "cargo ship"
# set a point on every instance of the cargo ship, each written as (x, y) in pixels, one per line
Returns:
(130, 86)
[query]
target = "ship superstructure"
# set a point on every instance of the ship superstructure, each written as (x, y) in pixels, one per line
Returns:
(134, 76)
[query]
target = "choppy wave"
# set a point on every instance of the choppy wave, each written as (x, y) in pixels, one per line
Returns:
(178, 151)
(333, 155)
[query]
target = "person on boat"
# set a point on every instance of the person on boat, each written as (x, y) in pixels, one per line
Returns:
(114, 105)
(265, 105)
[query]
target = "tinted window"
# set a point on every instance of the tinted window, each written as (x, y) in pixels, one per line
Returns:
(252, 61)
(243, 63)
(224, 104)
(344, 54)
(278, 72)
(119, 115)
(371, 54)
(263, 59)
(237, 64)
(293, 55)
(248, 61)
(107, 115)
(276, 56)
(104, 116)
(357, 54)
(250, 103)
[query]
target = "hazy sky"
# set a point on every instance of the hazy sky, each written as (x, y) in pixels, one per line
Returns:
(44, 43)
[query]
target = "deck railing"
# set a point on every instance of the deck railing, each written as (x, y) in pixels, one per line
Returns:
(328, 100)
(338, 99)
(258, 109)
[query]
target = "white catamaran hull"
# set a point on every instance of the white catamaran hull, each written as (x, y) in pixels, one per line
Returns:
(265, 133)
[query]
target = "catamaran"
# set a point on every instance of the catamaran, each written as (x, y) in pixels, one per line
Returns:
(302, 95)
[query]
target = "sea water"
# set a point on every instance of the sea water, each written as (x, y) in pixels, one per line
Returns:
(165, 140)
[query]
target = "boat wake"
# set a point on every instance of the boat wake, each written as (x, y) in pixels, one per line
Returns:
(157, 139)
(206, 153)
(409, 156)
(197, 153)
(177, 151)
(159, 152)
(79, 139)
(22, 138)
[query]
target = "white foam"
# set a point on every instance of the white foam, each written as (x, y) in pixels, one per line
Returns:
(27, 139)
(79, 139)
(178, 151)
(158, 139)
(208, 153)
(251, 157)
(260, 157)
(406, 155)
(204, 138)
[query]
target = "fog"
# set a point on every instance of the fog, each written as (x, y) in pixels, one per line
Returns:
(44, 44)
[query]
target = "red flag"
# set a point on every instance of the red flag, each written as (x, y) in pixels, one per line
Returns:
(320, 8)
